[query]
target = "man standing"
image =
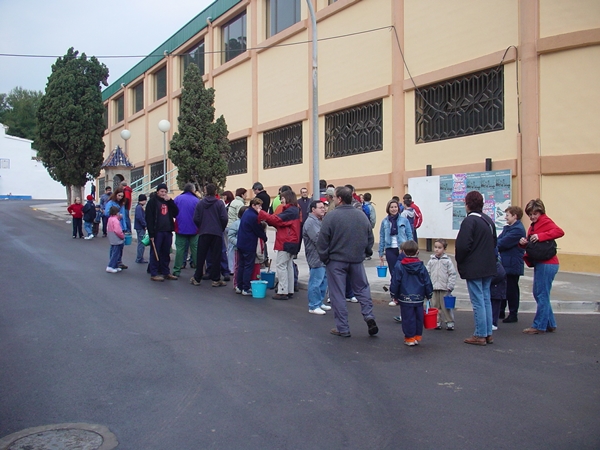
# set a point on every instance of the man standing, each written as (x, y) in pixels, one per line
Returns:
(161, 211)
(317, 281)
(103, 199)
(345, 238)
(259, 191)
(210, 217)
(186, 232)
(304, 204)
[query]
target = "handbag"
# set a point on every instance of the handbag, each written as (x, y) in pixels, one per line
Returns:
(146, 240)
(541, 250)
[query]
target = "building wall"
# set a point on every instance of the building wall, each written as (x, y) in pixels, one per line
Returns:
(388, 49)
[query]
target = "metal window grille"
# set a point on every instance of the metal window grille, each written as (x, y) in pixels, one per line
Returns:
(137, 174)
(355, 130)
(234, 37)
(194, 56)
(160, 80)
(156, 171)
(468, 105)
(282, 146)
(138, 97)
(238, 157)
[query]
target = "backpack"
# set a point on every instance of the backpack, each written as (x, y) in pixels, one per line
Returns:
(366, 210)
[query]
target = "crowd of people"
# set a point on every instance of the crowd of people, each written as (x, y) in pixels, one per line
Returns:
(224, 239)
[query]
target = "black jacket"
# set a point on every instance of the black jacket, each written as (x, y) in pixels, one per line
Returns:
(475, 247)
(266, 199)
(154, 207)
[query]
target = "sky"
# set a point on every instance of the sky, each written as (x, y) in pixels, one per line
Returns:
(107, 28)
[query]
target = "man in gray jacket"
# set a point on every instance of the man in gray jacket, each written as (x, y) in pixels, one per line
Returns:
(345, 239)
(317, 281)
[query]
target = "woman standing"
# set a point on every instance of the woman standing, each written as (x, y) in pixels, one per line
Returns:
(512, 259)
(542, 229)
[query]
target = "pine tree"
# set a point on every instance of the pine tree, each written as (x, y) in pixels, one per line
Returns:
(70, 122)
(200, 148)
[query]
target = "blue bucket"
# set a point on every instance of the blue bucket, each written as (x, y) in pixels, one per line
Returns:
(269, 277)
(128, 238)
(382, 271)
(450, 301)
(259, 288)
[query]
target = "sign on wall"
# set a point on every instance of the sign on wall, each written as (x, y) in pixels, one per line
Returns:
(441, 199)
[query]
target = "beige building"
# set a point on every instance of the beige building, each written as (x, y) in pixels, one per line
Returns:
(403, 84)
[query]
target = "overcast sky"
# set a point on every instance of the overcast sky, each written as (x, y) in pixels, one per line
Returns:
(107, 28)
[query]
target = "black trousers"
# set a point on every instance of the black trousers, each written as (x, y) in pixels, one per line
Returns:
(513, 293)
(209, 246)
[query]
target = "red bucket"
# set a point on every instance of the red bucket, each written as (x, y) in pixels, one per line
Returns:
(430, 318)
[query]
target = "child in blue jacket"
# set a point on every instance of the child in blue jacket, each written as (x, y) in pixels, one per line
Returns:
(411, 285)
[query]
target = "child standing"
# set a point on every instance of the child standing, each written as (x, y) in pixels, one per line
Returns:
(76, 211)
(89, 214)
(139, 225)
(97, 220)
(411, 285)
(443, 277)
(498, 291)
(116, 238)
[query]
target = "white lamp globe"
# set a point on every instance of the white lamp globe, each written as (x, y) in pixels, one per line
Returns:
(164, 125)
(125, 134)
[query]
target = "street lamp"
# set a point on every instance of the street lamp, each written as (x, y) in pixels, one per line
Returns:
(164, 126)
(125, 134)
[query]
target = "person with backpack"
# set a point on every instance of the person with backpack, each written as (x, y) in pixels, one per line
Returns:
(369, 209)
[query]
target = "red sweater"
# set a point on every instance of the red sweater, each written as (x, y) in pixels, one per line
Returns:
(546, 229)
(76, 210)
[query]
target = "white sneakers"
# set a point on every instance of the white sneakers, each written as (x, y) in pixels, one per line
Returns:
(111, 270)
(325, 307)
(494, 327)
(393, 303)
(318, 311)
(352, 300)
(91, 236)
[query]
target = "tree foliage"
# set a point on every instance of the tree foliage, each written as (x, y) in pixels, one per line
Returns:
(200, 148)
(18, 109)
(70, 119)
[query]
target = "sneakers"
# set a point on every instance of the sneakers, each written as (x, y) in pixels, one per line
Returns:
(372, 326)
(157, 278)
(393, 303)
(352, 300)
(194, 282)
(494, 327)
(325, 307)
(112, 270)
(410, 342)
(248, 292)
(171, 277)
(398, 319)
(328, 300)
(122, 266)
(450, 326)
(474, 340)
(418, 339)
(238, 290)
(91, 236)
(335, 332)
(318, 311)
(219, 283)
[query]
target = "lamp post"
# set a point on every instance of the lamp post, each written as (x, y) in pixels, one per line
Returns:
(126, 134)
(315, 104)
(164, 126)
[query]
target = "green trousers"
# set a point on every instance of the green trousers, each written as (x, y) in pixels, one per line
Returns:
(180, 242)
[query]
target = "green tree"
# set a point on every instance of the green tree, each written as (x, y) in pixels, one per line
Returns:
(18, 109)
(200, 148)
(70, 120)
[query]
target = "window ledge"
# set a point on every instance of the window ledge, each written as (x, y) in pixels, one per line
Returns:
(298, 27)
(156, 104)
(232, 63)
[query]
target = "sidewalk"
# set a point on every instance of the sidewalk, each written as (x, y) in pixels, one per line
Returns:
(571, 292)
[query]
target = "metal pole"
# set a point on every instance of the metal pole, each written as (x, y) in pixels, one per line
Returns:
(315, 104)
(165, 158)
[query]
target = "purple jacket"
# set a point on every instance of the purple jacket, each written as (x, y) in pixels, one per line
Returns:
(184, 222)
(210, 216)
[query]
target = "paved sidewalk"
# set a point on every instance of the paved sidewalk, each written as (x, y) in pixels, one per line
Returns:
(571, 292)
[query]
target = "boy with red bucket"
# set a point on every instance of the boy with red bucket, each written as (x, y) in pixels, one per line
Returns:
(410, 286)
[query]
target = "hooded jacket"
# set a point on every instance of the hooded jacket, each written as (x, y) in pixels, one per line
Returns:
(442, 273)
(287, 224)
(411, 283)
(210, 216)
(310, 234)
(184, 222)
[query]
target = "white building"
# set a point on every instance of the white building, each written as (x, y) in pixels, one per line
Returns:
(21, 174)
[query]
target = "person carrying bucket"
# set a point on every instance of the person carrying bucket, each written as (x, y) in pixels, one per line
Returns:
(443, 277)
(411, 285)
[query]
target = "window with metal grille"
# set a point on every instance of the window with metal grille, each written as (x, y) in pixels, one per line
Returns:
(281, 14)
(194, 56)
(156, 174)
(137, 174)
(119, 109)
(238, 157)
(355, 130)
(282, 146)
(468, 105)
(138, 97)
(234, 37)
(160, 83)
(101, 185)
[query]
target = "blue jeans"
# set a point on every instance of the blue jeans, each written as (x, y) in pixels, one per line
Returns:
(543, 276)
(116, 252)
(479, 293)
(140, 247)
(88, 227)
(317, 287)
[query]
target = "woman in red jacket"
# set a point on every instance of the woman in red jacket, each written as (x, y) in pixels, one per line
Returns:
(76, 210)
(287, 242)
(542, 229)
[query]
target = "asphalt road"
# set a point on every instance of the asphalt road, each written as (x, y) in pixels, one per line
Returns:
(173, 366)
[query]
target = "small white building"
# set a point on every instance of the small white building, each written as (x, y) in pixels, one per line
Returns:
(22, 176)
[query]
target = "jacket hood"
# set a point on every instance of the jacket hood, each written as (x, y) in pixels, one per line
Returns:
(412, 265)
(208, 201)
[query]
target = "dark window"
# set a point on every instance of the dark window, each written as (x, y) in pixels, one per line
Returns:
(469, 105)
(238, 157)
(105, 116)
(355, 130)
(160, 83)
(195, 56)
(156, 174)
(282, 14)
(332, 1)
(119, 109)
(283, 146)
(234, 37)
(138, 97)
(137, 174)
